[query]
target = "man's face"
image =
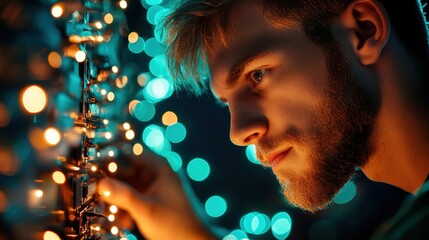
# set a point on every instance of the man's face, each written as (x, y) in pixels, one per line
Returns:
(294, 100)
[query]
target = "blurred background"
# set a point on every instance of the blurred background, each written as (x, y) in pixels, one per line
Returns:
(46, 46)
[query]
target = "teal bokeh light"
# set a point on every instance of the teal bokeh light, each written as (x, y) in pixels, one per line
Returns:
(144, 111)
(158, 66)
(153, 47)
(160, 15)
(346, 194)
(176, 133)
(153, 2)
(157, 90)
(153, 137)
(151, 13)
(251, 154)
(198, 169)
(138, 46)
(236, 235)
(255, 223)
(281, 225)
(174, 160)
(215, 206)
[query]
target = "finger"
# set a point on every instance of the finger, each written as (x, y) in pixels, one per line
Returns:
(117, 193)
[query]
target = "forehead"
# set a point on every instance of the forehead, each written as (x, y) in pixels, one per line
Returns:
(248, 33)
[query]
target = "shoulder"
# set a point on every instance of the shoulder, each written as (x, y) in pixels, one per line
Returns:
(411, 221)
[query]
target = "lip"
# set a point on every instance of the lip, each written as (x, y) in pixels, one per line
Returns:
(276, 158)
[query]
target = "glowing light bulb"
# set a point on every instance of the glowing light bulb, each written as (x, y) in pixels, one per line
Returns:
(130, 134)
(113, 209)
(59, 177)
(93, 168)
(114, 230)
(34, 99)
(115, 69)
(49, 235)
(106, 193)
(103, 92)
(52, 136)
(57, 11)
(123, 4)
(108, 18)
(106, 121)
(80, 56)
(38, 193)
(111, 217)
(113, 167)
(137, 149)
(133, 37)
(126, 126)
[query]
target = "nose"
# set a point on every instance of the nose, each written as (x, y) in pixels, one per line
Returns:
(248, 123)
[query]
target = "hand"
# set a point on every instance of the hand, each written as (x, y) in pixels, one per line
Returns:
(156, 199)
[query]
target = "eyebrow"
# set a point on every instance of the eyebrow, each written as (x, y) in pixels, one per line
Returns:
(238, 68)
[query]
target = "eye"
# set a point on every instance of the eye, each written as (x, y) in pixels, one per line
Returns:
(257, 76)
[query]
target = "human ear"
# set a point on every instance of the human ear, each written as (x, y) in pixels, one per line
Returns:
(368, 26)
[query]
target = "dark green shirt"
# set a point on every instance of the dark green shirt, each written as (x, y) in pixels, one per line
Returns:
(411, 221)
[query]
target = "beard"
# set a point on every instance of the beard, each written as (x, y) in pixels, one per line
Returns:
(338, 140)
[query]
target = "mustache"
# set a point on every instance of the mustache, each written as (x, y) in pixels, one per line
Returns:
(267, 146)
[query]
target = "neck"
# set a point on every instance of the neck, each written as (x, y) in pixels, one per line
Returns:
(401, 133)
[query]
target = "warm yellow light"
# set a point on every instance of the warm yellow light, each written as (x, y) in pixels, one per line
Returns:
(49, 235)
(113, 167)
(52, 136)
(115, 69)
(113, 209)
(108, 18)
(111, 153)
(106, 193)
(99, 38)
(98, 25)
(137, 149)
(57, 11)
(55, 60)
(169, 118)
(35, 135)
(108, 135)
(34, 99)
(123, 4)
(130, 134)
(97, 228)
(93, 168)
(106, 121)
(59, 177)
(110, 96)
(132, 105)
(121, 81)
(111, 217)
(126, 126)
(142, 79)
(38, 193)
(133, 37)
(80, 56)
